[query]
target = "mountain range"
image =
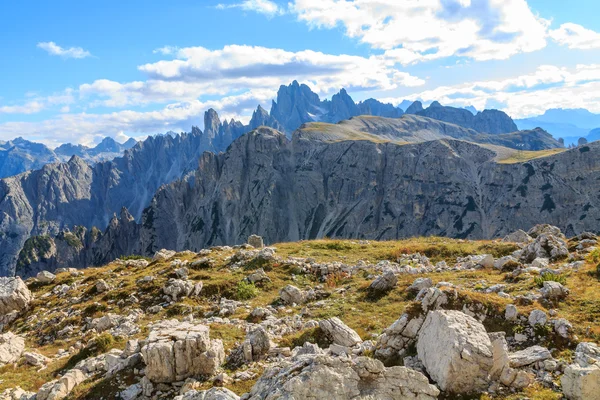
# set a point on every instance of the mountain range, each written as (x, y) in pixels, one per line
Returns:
(20, 155)
(324, 185)
(299, 131)
(569, 124)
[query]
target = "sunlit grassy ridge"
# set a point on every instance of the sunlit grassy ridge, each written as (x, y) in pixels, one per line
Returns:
(522, 156)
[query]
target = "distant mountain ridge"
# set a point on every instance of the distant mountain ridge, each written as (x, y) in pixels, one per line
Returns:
(308, 187)
(569, 124)
(20, 155)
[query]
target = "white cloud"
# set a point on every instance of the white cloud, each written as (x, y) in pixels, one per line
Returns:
(166, 50)
(30, 107)
(87, 128)
(55, 50)
(412, 31)
(526, 95)
(266, 7)
(38, 103)
(576, 37)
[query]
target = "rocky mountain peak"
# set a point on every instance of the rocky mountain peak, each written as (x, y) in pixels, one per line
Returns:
(415, 107)
(295, 105)
(212, 123)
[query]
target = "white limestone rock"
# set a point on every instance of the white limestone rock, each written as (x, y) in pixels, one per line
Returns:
(14, 295)
(339, 333)
(11, 348)
(529, 356)
(325, 377)
(177, 350)
(45, 277)
(60, 388)
(456, 351)
(384, 283)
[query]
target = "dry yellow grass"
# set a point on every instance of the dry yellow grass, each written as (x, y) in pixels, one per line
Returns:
(523, 156)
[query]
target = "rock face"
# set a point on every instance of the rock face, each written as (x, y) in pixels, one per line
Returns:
(323, 377)
(391, 206)
(456, 351)
(59, 196)
(177, 350)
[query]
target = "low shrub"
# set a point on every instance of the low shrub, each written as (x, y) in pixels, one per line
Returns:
(246, 291)
(549, 276)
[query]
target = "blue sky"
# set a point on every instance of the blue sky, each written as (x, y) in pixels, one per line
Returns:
(78, 71)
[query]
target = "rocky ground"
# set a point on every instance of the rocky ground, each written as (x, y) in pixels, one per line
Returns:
(422, 318)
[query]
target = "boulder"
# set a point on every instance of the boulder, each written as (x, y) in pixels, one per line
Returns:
(511, 313)
(14, 295)
(11, 348)
(545, 246)
(60, 388)
(456, 351)
(102, 286)
(255, 346)
(581, 383)
(177, 350)
(325, 377)
(383, 283)
(529, 356)
(178, 288)
(554, 290)
(581, 380)
(35, 359)
(45, 277)
(420, 284)
(339, 333)
(256, 241)
(215, 393)
(259, 276)
(542, 229)
(163, 255)
(290, 294)
(537, 317)
(519, 236)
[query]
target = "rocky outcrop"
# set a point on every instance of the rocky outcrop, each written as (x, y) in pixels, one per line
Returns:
(324, 377)
(60, 388)
(177, 350)
(456, 351)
